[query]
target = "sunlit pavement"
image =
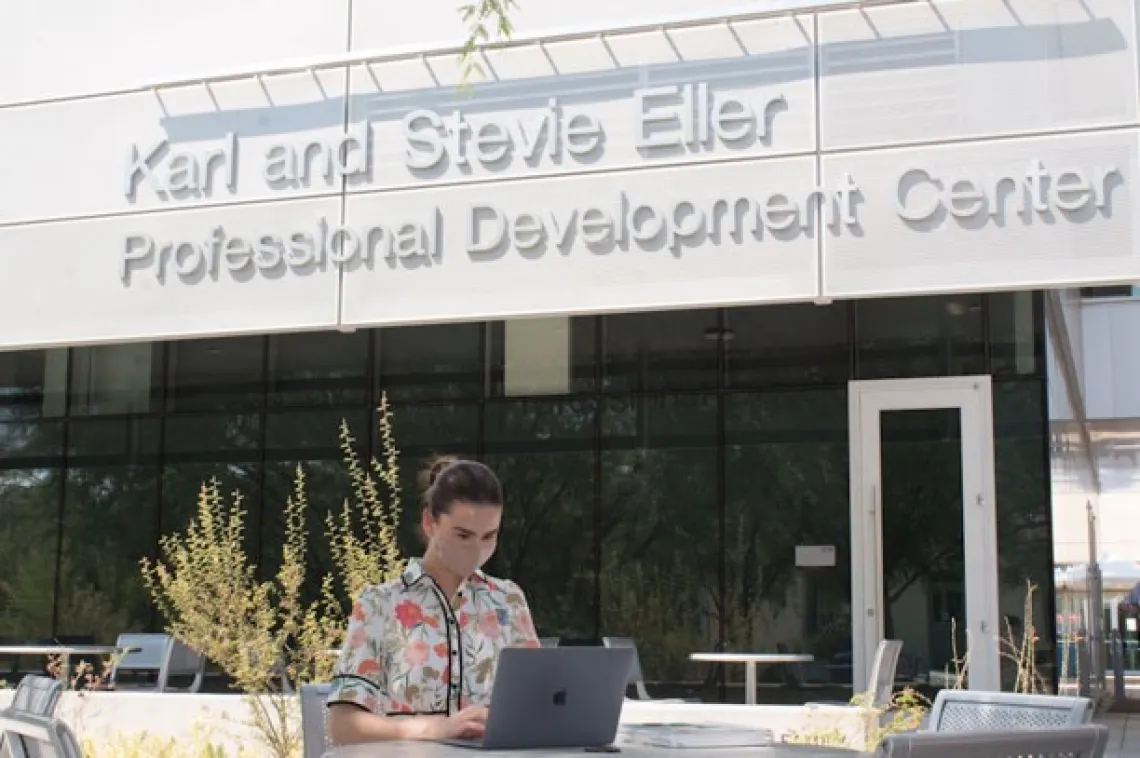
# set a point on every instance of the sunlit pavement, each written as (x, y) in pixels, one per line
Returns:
(1125, 742)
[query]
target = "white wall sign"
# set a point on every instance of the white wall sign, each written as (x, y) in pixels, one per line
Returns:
(815, 556)
(713, 165)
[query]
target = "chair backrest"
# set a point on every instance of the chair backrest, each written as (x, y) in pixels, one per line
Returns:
(882, 681)
(182, 660)
(149, 654)
(636, 678)
(314, 732)
(974, 711)
(66, 743)
(549, 641)
(1086, 741)
(37, 736)
(37, 695)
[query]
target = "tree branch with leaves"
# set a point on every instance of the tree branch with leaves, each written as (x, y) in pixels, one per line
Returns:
(262, 633)
(487, 21)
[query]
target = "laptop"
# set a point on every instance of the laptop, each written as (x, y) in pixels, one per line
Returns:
(557, 697)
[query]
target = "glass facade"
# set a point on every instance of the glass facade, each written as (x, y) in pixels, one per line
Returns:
(660, 468)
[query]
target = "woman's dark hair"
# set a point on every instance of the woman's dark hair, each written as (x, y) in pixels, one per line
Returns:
(447, 480)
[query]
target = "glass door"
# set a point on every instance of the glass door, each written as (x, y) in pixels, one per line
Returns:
(923, 529)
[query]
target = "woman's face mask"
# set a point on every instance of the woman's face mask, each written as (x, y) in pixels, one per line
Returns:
(464, 558)
(464, 539)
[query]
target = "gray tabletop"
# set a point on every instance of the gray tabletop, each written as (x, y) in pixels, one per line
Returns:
(436, 750)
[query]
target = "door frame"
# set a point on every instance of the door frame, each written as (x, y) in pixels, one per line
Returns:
(973, 397)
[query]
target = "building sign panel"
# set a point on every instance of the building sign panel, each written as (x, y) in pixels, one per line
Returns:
(287, 136)
(169, 149)
(1036, 212)
(656, 170)
(194, 272)
(917, 72)
(697, 236)
(722, 94)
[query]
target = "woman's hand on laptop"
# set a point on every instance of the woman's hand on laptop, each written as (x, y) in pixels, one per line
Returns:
(468, 723)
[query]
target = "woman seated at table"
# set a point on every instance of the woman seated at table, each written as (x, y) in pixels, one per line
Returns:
(420, 651)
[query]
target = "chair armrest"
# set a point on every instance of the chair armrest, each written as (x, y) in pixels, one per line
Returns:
(33, 727)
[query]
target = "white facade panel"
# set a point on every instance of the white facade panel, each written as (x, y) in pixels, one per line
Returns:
(378, 24)
(61, 48)
(158, 275)
(1025, 111)
(173, 148)
(714, 234)
(623, 102)
(1112, 359)
(1035, 212)
(958, 69)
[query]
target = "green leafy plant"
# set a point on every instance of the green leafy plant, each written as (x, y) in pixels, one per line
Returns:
(260, 632)
(362, 537)
(1018, 655)
(481, 17)
(904, 713)
(143, 744)
(84, 675)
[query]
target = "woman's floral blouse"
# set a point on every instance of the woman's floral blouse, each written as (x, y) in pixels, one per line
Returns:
(408, 651)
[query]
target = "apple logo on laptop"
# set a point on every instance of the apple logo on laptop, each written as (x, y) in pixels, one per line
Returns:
(560, 697)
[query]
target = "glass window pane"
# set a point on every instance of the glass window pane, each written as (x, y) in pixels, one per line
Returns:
(1016, 334)
(109, 523)
(542, 356)
(431, 362)
(661, 351)
(787, 345)
(33, 384)
(198, 448)
(786, 484)
(319, 368)
(30, 481)
(310, 439)
(542, 452)
(920, 336)
(421, 432)
(924, 569)
(660, 539)
(224, 374)
(1024, 513)
(116, 379)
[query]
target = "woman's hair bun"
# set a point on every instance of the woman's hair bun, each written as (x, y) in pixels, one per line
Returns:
(447, 479)
(435, 466)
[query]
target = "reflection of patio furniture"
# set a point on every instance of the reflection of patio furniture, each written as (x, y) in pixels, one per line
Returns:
(63, 652)
(750, 660)
(1087, 741)
(14, 671)
(549, 641)
(974, 711)
(314, 731)
(160, 656)
(636, 678)
(881, 683)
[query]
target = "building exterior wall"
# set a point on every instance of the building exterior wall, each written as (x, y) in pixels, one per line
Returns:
(924, 128)
(910, 150)
(1111, 334)
(659, 483)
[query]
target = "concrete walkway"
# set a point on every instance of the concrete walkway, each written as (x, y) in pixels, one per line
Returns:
(1125, 742)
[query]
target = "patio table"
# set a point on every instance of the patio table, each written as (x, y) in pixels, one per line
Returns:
(750, 660)
(65, 652)
(437, 750)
